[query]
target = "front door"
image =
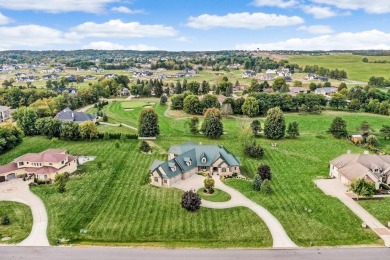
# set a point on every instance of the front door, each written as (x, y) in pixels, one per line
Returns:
(2, 178)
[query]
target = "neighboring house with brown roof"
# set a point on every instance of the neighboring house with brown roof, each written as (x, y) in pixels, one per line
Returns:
(373, 168)
(44, 165)
(188, 159)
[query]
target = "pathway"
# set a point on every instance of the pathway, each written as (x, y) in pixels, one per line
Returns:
(18, 190)
(279, 235)
(337, 189)
(128, 126)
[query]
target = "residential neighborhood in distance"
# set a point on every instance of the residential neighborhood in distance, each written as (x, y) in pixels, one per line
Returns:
(153, 125)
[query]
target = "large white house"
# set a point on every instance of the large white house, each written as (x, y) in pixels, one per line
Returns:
(373, 168)
(188, 159)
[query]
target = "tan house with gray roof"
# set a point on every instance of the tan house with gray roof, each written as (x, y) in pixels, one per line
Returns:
(188, 159)
(373, 168)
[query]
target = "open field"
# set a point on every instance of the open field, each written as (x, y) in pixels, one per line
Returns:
(216, 196)
(116, 207)
(21, 221)
(379, 208)
(352, 64)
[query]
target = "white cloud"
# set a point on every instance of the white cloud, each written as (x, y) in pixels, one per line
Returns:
(24, 36)
(242, 20)
(183, 39)
(57, 6)
(119, 29)
(365, 40)
(102, 45)
(274, 3)
(372, 6)
(316, 29)
(4, 19)
(319, 12)
(125, 10)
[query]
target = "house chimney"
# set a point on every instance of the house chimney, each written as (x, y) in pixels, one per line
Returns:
(349, 152)
(366, 152)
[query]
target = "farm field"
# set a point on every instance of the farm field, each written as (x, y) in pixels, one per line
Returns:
(21, 221)
(352, 64)
(379, 208)
(111, 201)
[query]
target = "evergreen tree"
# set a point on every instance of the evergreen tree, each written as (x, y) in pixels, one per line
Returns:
(192, 105)
(250, 107)
(274, 126)
(148, 123)
(293, 130)
(178, 88)
(212, 126)
(190, 201)
(194, 124)
(338, 128)
(256, 184)
(256, 127)
(163, 100)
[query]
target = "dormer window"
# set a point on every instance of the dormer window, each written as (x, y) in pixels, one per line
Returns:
(187, 161)
(204, 160)
(172, 166)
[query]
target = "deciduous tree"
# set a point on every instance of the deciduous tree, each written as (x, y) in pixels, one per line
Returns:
(274, 126)
(148, 123)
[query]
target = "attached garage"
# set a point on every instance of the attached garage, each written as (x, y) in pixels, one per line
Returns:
(11, 176)
(2, 178)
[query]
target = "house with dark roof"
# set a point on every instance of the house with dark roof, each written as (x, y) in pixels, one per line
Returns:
(188, 159)
(372, 167)
(78, 117)
(44, 165)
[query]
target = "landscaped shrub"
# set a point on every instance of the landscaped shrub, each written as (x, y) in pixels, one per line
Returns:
(266, 187)
(117, 144)
(252, 149)
(6, 221)
(264, 172)
(257, 183)
(144, 147)
(209, 184)
(191, 201)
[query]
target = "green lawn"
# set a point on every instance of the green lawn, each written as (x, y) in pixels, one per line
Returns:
(21, 221)
(133, 104)
(379, 208)
(112, 202)
(352, 64)
(217, 196)
(115, 129)
(115, 205)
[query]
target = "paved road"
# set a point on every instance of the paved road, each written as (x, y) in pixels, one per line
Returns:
(96, 253)
(18, 190)
(337, 189)
(279, 235)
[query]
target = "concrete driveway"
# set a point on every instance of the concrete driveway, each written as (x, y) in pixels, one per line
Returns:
(18, 190)
(279, 235)
(335, 188)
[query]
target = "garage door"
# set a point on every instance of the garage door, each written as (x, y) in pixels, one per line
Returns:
(11, 176)
(2, 178)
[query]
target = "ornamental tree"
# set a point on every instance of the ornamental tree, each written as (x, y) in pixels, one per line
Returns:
(250, 107)
(190, 201)
(148, 123)
(256, 127)
(264, 172)
(293, 130)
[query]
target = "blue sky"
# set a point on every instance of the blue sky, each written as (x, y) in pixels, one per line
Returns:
(194, 25)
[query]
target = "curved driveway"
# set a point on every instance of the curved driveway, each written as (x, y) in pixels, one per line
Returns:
(279, 235)
(18, 190)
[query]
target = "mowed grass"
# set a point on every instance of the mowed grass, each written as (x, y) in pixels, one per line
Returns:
(21, 221)
(115, 129)
(115, 205)
(133, 104)
(352, 64)
(216, 196)
(379, 208)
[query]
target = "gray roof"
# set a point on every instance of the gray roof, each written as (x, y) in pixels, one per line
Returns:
(189, 156)
(4, 108)
(68, 115)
